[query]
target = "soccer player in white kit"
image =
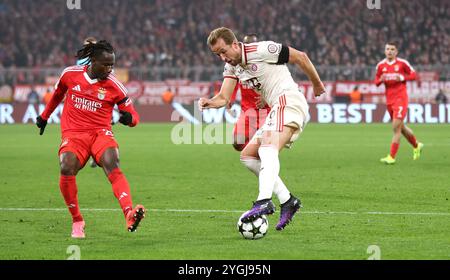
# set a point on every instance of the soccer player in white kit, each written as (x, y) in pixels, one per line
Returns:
(262, 66)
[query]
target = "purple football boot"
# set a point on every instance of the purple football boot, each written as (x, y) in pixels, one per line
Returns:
(288, 209)
(260, 207)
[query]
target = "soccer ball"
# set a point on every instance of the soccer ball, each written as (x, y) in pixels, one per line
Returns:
(253, 230)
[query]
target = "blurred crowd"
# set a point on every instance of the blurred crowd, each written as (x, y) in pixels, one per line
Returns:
(172, 33)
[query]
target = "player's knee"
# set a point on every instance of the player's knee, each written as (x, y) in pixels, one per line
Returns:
(69, 164)
(68, 168)
(110, 165)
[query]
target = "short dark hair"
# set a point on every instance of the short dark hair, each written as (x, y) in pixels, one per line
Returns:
(392, 43)
(91, 50)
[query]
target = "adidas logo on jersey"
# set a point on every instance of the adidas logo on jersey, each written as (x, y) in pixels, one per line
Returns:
(76, 88)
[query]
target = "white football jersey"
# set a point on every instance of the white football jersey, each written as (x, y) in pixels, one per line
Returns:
(259, 70)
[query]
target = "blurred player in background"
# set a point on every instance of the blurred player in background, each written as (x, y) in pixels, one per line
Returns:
(262, 66)
(394, 72)
(91, 92)
(253, 110)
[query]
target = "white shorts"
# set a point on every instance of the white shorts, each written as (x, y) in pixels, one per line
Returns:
(291, 110)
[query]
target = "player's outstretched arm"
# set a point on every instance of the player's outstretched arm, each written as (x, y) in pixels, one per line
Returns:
(302, 60)
(222, 98)
(57, 97)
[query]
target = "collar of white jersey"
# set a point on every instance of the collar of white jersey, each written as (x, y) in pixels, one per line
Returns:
(86, 76)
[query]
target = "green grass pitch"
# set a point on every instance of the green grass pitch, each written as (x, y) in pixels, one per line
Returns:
(195, 194)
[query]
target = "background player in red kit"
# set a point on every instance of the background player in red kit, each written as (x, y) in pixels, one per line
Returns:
(91, 92)
(394, 72)
(253, 110)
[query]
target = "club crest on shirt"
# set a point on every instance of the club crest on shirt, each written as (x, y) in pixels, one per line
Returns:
(396, 68)
(272, 48)
(101, 93)
(254, 67)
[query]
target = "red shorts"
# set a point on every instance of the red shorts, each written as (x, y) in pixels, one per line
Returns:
(398, 109)
(86, 144)
(248, 123)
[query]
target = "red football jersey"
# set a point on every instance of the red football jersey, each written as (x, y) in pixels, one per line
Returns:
(248, 98)
(89, 102)
(395, 74)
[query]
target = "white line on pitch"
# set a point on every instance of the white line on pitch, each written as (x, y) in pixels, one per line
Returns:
(239, 211)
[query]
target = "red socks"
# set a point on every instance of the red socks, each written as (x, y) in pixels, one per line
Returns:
(412, 140)
(394, 149)
(68, 187)
(121, 190)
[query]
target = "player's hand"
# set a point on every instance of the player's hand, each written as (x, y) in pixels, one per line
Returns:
(382, 78)
(399, 78)
(203, 103)
(319, 89)
(125, 118)
(41, 123)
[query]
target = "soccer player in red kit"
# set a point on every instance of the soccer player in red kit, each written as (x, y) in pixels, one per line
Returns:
(252, 117)
(91, 92)
(394, 73)
(253, 110)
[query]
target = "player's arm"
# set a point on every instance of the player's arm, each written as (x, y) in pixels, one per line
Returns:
(409, 73)
(379, 79)
(301, 59)
(222, 98)
(128, 115)
(233, 96)
(57, 97)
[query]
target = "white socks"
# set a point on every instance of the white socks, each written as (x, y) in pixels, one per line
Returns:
(278, 188)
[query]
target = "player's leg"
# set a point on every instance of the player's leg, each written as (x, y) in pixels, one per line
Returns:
(239, 139)
(417, 146)
(250, 158)
(282, 126)
(106, 153)
(289, 203)
(267, 149)
(69, 167)
(244, 129)
(397, 116)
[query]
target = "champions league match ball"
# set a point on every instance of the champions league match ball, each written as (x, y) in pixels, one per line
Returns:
(253, 230)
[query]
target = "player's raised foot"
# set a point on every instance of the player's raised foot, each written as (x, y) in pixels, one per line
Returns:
(417, 151)
(288, 210)
(78, 230)
(134, 217)
(260, 207)
(388, 160)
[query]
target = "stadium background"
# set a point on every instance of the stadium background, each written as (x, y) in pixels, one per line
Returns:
(195, 193)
